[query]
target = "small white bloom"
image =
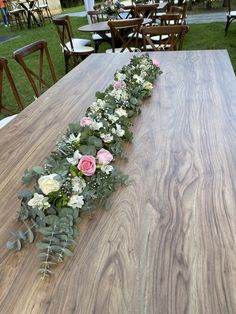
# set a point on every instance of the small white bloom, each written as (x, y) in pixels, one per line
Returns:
(72, 138)
(119, 94)
(49, 183)
(121, 112)
(107, 138)
(78, 184)
(96, 125)
(139, 79)
(120, 76)
(76, 201)
(112, 118)
(39, 201)
(147, 86)
(118, 131)
(106, 169)
(75, 159)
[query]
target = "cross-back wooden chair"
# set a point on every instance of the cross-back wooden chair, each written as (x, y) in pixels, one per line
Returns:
(170, 19)
(17, 15)
(124, 33)
(45, 8)
(148, 11)
(73, 48)
(4, 70)
(36, 77)
(97, 16)
(181, 10)
(174, 41)
(231, 16)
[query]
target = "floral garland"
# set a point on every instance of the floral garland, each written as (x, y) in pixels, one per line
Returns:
(80, 175)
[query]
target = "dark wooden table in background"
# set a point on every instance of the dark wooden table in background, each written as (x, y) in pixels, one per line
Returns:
(168, 243)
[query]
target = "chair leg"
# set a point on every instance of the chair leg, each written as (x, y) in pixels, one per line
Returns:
(227, 26)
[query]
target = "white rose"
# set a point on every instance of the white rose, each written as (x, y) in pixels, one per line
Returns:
(76, 201)
(48, 184)
(39, 201)
(78, 184)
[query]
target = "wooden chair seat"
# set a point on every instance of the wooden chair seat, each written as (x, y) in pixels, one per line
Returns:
(77, 48)
(231, 14)
(96, 36)
(74, 49)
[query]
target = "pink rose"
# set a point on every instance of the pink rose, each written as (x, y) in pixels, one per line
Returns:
(86, 121)
(104, 156)
(87, 165)
(155, 62)
(119, 85)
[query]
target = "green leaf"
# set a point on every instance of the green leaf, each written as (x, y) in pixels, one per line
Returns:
(68, 252)
(25, 195)
(88, 150)
(18, 244)
(27, 177)
(10, 245)
(51, 219)
(97, 142)
(43, 246)
(37, 170)
(30, 236)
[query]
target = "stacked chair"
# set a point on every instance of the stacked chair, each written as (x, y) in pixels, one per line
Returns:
(17, 15)
(74, 49)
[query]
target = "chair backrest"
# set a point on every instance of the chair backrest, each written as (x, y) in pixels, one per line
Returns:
(171, 19)
(41, 47)
(146, 11)
(174, 41)
(64, 31)
(120, 30)
(95, 16)
(182, 10)
(5, 69)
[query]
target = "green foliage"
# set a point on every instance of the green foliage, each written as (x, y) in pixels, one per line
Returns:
(65, 189)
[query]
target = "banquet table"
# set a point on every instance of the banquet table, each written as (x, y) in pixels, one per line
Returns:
(168, 243)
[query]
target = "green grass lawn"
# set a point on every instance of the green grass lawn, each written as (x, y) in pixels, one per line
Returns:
(200, 36)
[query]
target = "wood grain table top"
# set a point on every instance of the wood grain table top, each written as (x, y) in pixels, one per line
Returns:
(103, 27)
(168, 243)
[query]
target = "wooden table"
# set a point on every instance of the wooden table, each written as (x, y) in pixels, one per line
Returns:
(102, 27)
(168, 243)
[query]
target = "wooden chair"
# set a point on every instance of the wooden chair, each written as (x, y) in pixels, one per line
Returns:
(148, 11)
(33, 77)
(96, 17)
(124, 33)
(171, 19)
(17, 15)
(231, 16)
(174, 41)
(181, 10)
(74, 49)
(44, 7)
(4, 69)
